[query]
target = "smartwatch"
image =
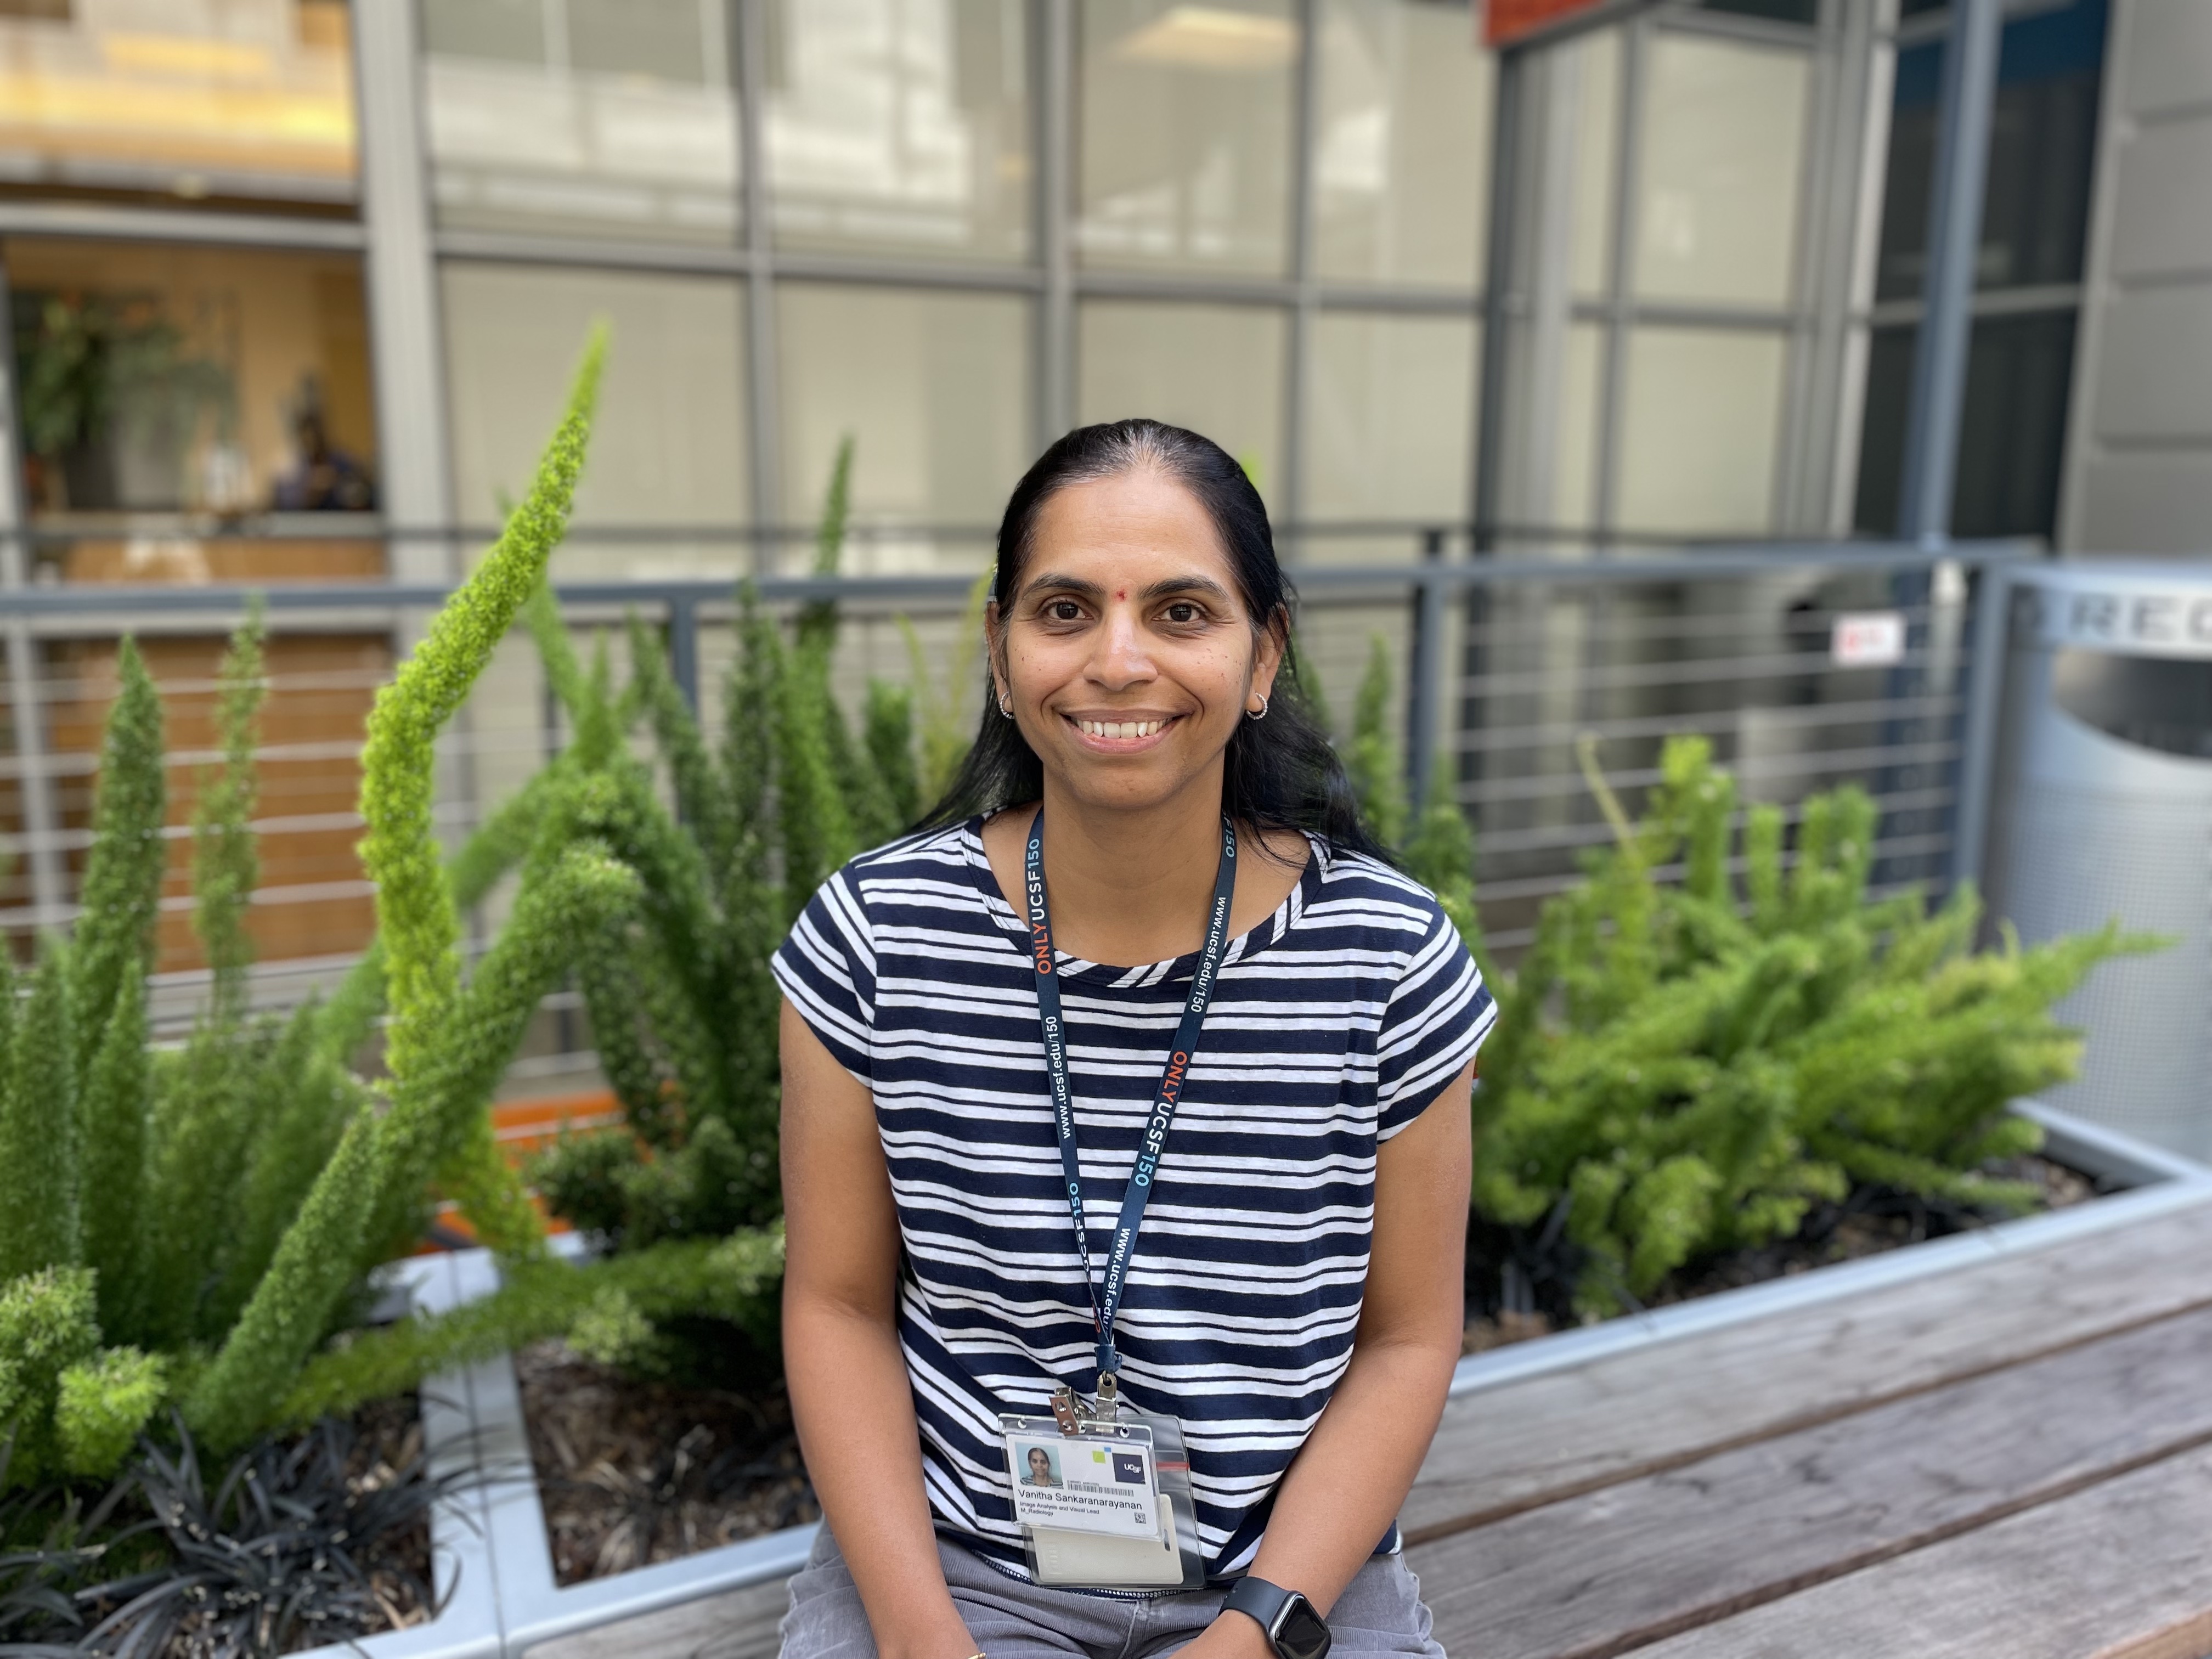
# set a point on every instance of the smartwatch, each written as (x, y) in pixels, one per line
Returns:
(1293, 1625)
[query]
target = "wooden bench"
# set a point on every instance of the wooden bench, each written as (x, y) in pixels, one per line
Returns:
(2011, 1460)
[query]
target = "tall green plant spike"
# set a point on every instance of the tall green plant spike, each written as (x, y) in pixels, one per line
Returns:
(564, 675)
(122, 891)
(1378, 778)
(119, 1226)
(226, 867)
(414, 909)
(318, 1258)
(818, 621)
(703, 795)
(39, 1222)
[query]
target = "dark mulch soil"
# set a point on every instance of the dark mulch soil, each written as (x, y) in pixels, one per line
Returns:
(390, 1441)
(636, 1472)
(1520, 1282)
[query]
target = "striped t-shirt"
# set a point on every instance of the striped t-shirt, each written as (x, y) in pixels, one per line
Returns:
(1332, 1024)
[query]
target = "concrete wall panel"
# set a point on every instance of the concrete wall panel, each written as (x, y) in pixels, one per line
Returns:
(2169, 57)
(2147, 503)
(2154, 376)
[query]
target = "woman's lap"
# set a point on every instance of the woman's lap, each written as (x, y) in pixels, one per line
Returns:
(1379, 1616)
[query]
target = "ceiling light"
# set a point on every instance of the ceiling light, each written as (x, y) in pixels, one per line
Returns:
(1211, 38)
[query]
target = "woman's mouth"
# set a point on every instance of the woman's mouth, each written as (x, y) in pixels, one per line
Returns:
(1120, 736)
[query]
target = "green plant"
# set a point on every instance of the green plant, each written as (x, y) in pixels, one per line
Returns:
(447, 1042)
(681, 1005)
(1681, 1069)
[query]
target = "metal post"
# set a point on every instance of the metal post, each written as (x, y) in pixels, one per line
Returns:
(1978, 733)
(1305, 104)
(763, 401)
(401, 276)
(1497, 302)
(1955, 227)
(683, 648)
(1422, 710)
(35, 784)
(1055, 195)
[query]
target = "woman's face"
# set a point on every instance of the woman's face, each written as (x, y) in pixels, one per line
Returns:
(1125, 652)
(1040, 1465)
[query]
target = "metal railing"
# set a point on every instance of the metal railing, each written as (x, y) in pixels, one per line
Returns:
(1498, 665)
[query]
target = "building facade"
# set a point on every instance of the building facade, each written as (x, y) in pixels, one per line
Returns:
(295, 286)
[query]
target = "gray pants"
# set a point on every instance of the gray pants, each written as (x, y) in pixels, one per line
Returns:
(1379, 1613)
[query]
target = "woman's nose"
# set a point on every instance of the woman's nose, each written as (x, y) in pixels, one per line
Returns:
(1120, 658)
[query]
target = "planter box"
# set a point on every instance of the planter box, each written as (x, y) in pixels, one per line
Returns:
(493, 1534)
(464, 1574)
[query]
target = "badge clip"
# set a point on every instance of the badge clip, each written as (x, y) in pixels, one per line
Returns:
(1064, 1411)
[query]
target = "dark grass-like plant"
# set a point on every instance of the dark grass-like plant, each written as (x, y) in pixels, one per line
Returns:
(285, 1545)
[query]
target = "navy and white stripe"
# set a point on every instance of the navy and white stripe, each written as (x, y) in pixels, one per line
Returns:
(1334, 1023)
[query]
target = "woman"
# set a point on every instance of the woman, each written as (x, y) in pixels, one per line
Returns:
(1291, 1291)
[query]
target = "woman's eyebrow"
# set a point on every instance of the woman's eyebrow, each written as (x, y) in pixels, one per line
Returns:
(1204, 585)
(1057, 583)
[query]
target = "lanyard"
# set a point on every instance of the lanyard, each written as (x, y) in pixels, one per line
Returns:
(1139, 1190)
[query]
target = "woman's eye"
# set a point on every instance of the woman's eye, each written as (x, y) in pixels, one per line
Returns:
(1063, 611)
(1183, 611)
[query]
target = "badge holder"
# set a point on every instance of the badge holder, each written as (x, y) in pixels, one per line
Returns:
(1102, 1494)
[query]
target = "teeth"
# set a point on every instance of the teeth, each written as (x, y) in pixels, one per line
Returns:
(1120, 728)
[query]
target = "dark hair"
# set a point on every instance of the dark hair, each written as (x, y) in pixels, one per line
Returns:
(1280, 773)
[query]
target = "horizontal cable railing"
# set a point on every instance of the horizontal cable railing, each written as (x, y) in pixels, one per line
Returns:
(1500, 667)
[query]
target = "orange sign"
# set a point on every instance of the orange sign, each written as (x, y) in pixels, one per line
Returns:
(1504, 21)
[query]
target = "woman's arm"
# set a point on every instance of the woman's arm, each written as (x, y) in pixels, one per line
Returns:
(849, 1394)
(1346, 1486)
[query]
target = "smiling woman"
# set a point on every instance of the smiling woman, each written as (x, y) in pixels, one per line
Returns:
(1241, 1373)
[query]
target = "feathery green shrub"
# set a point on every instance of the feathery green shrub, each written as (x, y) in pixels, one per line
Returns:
(683, 1006)
(1685, 1069)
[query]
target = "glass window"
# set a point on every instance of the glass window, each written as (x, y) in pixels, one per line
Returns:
(1186, 134)
(611, 118)
(201, 103)
(1718, 170)
(900, 127)
(164, 380)
(2012, 431)
(1388, 430)
(2042, 142)
(932, 387)
(1551, 444)
(1699, 427)
(1594, 64)
(1215, 369)
(668, 446)
(1402, 157)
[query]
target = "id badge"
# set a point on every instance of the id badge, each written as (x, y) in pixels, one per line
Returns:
(1106, 1504)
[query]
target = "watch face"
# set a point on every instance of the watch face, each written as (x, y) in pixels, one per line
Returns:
(1302, 1635)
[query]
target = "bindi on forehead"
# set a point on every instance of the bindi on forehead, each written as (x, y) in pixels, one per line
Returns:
(1120, 592)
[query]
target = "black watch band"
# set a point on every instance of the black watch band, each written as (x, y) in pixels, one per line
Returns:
(1293, 1627)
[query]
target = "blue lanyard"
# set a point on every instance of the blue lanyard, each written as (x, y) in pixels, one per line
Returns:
(1139, 1190)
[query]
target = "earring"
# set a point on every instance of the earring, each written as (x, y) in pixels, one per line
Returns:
(1003, 707)
(1259, 714)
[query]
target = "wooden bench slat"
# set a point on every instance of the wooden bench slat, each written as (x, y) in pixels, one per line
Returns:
(738, 1624)
(1613, 1570)
(1654, 1407)
(2116, 1572)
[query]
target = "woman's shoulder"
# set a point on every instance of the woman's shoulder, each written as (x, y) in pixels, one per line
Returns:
(932, 864)
(1360, 892)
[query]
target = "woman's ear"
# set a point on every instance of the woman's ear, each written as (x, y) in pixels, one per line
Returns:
(1273, 642)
